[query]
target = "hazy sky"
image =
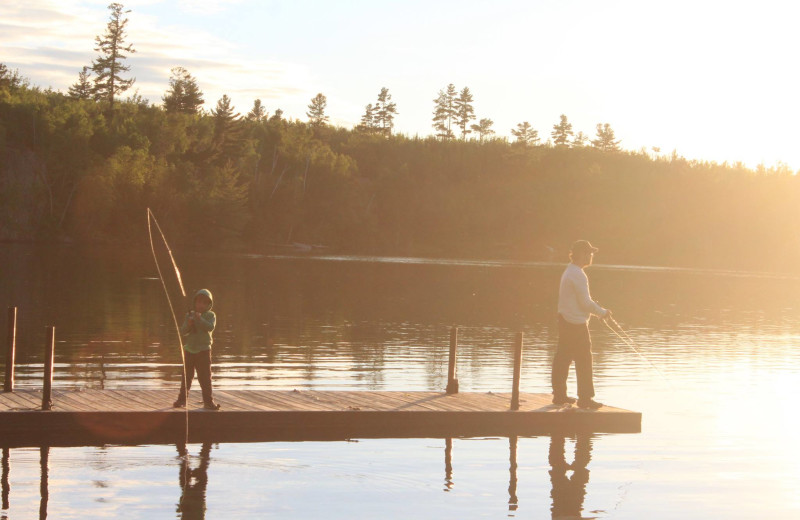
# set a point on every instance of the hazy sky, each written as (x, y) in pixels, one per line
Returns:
(713, 80)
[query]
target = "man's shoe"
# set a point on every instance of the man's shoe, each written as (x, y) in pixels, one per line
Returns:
(561, 400)
(211, 406)
(590, 404)
(180, 403)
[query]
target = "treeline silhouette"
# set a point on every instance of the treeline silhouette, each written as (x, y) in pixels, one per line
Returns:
(70, 169)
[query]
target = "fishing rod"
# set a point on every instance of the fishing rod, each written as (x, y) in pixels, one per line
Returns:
(627, 340)
(152, 218)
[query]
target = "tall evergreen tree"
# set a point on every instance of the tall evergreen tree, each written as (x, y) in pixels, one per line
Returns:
(227, 130)
(562, 132)
(605, 139)
(316, 110)
(82, 89)
(258, 113)
(183, 95)
(108, 66)
(483, 128)
(464, 111)
(444, 112)
(367, 123)
(384, 112)
(525, 134)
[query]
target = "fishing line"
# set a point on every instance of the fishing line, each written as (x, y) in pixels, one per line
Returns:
(152, 217)
(626, 339)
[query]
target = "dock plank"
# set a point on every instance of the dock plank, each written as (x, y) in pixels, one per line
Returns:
(19, 401)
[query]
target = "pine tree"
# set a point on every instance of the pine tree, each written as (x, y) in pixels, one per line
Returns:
(444, 112)
(183, 95)
(108, 66)
(316, 110)
(258, 113)
(483, 128)
(464, 111)
(227, 130)
(580, 140)
(82, 89)
(525, 134)
(605, 139)
(562, 132)
(277, 116)
(384, 112)
(367, 123)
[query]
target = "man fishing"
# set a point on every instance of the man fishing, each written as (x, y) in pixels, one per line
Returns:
(575, 308)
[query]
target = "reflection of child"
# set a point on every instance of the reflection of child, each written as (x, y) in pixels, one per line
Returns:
(197, 327)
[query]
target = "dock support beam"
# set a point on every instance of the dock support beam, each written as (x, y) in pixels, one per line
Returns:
(49, 354)
(8, 383)
(517, 369)
(452, 382)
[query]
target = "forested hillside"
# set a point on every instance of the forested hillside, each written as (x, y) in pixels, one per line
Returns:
(73, 170)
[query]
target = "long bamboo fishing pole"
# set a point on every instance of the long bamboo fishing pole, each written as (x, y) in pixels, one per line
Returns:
(152, 218)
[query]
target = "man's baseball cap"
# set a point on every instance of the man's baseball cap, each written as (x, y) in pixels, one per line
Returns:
(583, 246)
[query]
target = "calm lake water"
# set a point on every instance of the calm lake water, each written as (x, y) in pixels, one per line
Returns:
(716, 377)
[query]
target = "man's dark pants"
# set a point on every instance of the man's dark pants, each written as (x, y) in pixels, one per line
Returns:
(574, 344)
(200, 362)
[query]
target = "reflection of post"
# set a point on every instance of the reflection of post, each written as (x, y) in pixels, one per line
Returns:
(512, 470)
(193, 483)
(568, 493)
(44, 455)
(448, 464)
(6, 487)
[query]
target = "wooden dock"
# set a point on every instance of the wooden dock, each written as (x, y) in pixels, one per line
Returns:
(92, 417)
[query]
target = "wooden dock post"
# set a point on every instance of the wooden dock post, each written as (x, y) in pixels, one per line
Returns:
(452, 382)
(517, 369)
(49, 354)
(8, 383)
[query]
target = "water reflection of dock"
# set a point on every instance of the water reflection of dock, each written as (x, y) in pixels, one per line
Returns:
(137, 416)
(567, 493)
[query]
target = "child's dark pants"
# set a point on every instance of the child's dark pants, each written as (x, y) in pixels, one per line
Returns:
(200, 362)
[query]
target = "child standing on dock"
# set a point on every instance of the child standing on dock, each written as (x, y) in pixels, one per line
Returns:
(198, 326)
